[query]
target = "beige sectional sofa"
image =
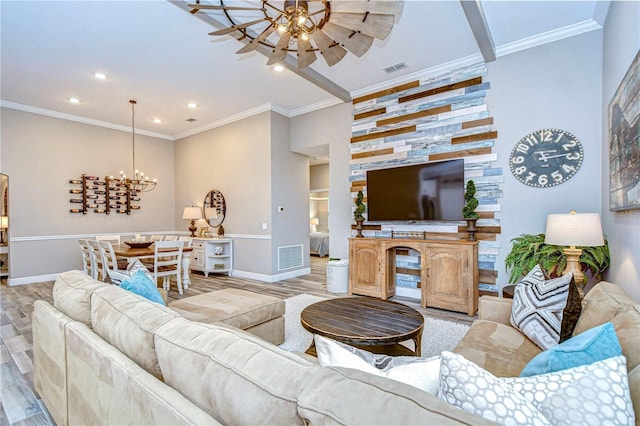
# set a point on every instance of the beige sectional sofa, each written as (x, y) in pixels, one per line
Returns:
(103, 355)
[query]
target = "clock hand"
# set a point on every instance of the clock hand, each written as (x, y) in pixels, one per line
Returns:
(543, 155)
(553, 156)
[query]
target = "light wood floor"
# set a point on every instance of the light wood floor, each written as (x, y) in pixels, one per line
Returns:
(19, 403)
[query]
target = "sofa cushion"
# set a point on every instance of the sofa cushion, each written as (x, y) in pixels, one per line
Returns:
(538, 305)
(594, 394)
(72, 295)
(422, 373)
(128, 322)
(336, 395)
(498, 348)
(593, 345)
(234, 376)
(239, 308)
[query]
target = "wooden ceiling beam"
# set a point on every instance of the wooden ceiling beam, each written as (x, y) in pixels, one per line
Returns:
(480, 28)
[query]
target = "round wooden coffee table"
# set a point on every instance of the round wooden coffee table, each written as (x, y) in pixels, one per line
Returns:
(372, 324)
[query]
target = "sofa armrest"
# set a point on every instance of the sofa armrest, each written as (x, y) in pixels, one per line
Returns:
(496, 309)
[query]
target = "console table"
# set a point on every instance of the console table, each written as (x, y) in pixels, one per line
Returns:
(212, 255)
(448, 270)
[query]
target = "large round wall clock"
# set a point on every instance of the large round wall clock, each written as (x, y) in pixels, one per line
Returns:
(546, 158)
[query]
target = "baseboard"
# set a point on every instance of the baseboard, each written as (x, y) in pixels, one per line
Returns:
(31, 280)
(270, 278)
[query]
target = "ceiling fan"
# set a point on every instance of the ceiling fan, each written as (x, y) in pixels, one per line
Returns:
(306, 27)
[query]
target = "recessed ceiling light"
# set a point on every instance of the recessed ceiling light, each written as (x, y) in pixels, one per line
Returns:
(157, 120)
(100, 76)
(192, 105)
(278, 68)
(74, 100)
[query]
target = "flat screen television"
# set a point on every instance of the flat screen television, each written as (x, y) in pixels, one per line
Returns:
(430, 191)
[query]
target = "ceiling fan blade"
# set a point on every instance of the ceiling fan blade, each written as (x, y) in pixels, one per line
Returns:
(280, 51)
(332, 52)
(382, 7)
(374, 25)
(253, 44)
(306, 55)
(355, 42)
(236, 27)
(197, 7)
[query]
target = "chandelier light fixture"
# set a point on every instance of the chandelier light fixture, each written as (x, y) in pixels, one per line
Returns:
(306, 27)
(138, 182)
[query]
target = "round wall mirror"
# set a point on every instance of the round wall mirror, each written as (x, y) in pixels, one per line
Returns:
(214, 208)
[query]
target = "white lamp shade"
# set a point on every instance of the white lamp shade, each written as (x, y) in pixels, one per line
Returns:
(314, 221)
(192, 213)
(584, 229)
(4, 222)
(202, 223)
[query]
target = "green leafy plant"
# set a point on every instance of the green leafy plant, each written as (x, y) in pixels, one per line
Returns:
(529, 250)
(470, 201)
(360, 207)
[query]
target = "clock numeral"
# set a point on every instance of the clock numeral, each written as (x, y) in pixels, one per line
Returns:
(546, 135)
(573, 156)
(560, 135)
(543, 179)
(520, 170)
(557, 176)
(568, 168)
(532, 140)
(518, 160)
(523, 148)
(530, 177)
(570, 144)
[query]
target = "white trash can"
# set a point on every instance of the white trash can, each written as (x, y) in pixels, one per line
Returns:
(338, 276)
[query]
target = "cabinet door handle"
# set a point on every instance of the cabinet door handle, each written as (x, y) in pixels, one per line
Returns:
(428, 276)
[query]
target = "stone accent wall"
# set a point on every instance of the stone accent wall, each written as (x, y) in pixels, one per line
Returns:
(432, 119)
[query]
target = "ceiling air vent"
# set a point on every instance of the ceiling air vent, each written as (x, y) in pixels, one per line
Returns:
(396, 67)
(191, 120)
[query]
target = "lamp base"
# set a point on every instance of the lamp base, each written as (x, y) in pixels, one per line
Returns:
(573, 265)
(193, 228)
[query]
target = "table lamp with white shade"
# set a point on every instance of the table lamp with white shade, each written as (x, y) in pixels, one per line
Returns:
(314, 222)
(192, 213)
(574, 230)
(4, 224)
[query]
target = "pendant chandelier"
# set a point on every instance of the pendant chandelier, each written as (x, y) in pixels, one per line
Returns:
(306, 27)
(138, 182)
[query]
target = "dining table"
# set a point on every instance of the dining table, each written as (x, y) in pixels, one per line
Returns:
(137, 253)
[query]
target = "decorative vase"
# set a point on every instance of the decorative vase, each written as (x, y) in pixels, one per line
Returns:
(220, 231)
(359, 228)
(471, 229)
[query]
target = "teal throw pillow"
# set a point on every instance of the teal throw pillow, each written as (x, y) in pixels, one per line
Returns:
(596, 344)
(142, 285)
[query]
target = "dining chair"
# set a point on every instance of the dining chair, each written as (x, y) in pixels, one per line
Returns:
(170, 238)
(167, 261)
(98, 270)
(87, 258)
(188, 241)
(113, 239)
(155, 238)
(109, 260)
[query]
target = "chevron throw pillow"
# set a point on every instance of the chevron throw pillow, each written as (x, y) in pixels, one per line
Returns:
(538, 306)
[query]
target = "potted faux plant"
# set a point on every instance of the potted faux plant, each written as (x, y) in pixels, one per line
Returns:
(469, 210)
(529, 250)
(358, 213)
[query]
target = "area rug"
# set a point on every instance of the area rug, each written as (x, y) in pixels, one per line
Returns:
(438, 335)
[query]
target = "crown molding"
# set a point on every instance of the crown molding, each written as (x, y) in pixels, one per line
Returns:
(314, 107)
(78, 119)
(548, 37)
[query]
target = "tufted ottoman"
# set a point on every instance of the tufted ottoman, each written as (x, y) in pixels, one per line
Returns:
(258, 314)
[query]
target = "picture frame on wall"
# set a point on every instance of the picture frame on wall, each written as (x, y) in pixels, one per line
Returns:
(624, 142)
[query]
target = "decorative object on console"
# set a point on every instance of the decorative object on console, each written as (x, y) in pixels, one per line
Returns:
(192, 213)
(330, 25)
(529, 250)
(469, 209)
(571, 230)
(203, 225)
(358, 213)
(546, 157)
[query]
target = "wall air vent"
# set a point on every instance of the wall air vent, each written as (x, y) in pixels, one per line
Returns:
(191, 120)
(289, 257)
(396, 67)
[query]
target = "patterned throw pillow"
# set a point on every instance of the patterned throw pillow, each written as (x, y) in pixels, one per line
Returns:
(571, 312)
(142, 285)
(116, 277)
(594, 394)
(538, 306)
(422, 373)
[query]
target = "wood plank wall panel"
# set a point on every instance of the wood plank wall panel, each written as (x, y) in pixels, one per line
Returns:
(434, 119)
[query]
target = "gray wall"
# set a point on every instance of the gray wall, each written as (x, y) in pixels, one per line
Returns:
(621, 44)
(40, 154)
